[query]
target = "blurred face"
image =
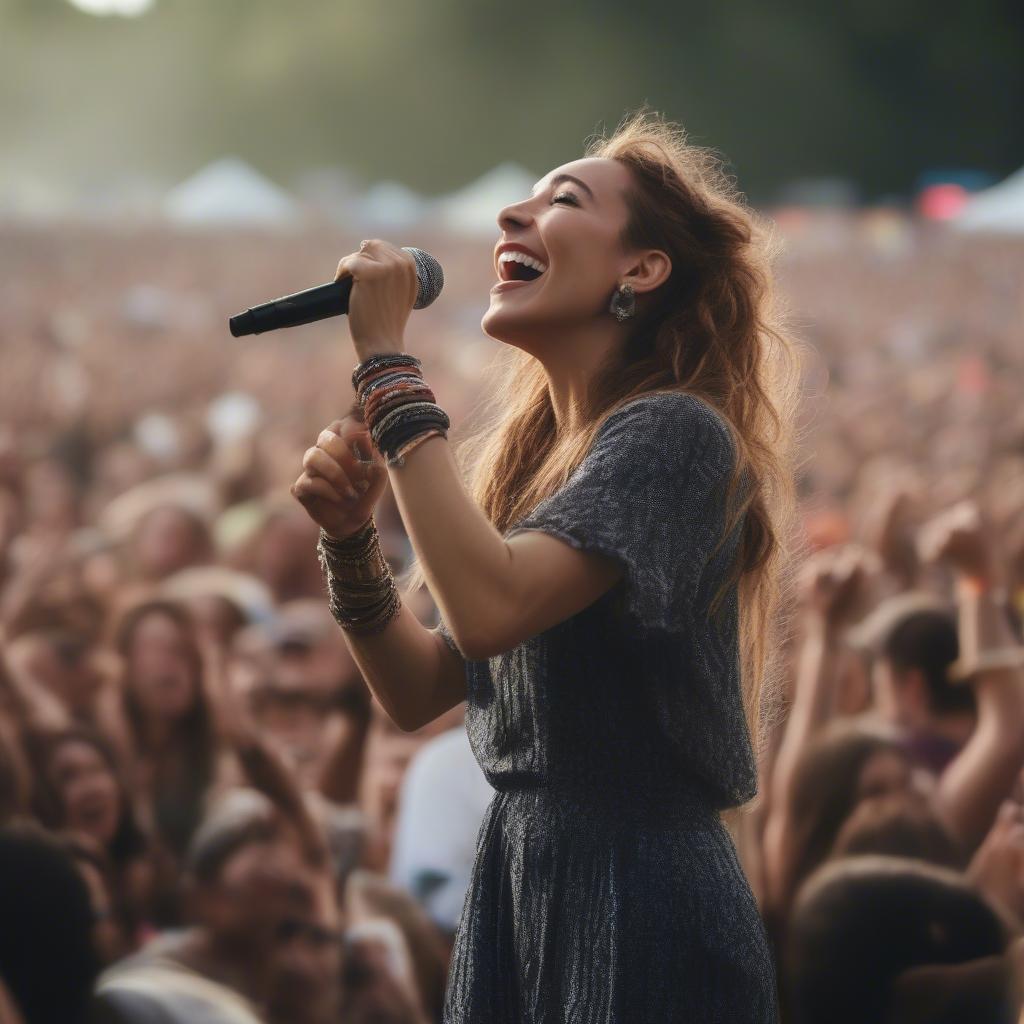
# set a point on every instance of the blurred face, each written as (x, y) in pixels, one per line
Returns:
(285, 558)
(304, 970)
(88, 790)
(168, 540)
(569, 233)
(160, 668)
(262, 885)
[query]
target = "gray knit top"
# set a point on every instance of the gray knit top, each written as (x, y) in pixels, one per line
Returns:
(639, 693)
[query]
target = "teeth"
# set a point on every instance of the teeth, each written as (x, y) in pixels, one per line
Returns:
(511, 256)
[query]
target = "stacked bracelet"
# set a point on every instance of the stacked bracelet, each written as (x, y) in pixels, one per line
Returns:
(362, 591)
(398, 405)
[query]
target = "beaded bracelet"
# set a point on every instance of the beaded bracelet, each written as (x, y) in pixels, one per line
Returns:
(398, 406)
(363, 597)
(374, 363)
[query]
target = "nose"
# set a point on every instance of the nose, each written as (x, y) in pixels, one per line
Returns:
(515, 215)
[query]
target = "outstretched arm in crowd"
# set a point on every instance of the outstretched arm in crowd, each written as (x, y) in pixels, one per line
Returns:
(267, 772)
(831, 586)
(986, 770)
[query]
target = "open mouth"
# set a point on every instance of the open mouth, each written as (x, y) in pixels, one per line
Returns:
(517, 266)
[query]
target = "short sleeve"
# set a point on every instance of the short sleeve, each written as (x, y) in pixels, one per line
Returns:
(650, 493)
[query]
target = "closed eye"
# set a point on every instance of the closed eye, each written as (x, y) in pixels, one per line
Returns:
(566, 197)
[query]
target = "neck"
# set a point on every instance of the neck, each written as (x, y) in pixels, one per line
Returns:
(572, 360)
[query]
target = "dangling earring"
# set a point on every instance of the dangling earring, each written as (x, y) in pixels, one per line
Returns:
(623, 303)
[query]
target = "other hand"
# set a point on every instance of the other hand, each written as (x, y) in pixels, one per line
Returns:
(343, 477)
(961, 537)
(832, 585)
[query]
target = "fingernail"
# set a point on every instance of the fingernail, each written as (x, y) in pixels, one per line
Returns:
(363, 486)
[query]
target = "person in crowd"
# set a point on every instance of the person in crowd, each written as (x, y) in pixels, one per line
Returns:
(164, 716)
(79, 788)
(48, 962)
(890, 939)
(825, 768)
(901, 824)
(253, 899)
(912, 640)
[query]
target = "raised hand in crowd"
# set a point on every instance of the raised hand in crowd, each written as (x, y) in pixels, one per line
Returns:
(831, 590)
(986, 771)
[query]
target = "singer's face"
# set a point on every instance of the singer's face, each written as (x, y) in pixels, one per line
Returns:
(571, 230)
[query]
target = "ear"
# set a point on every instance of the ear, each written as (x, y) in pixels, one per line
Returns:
(647, 270)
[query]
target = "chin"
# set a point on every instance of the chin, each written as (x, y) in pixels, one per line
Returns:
(512, 327)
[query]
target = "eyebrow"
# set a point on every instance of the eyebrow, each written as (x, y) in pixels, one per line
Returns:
(559, 178)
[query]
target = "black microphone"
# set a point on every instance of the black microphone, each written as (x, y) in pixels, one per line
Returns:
(331, 299)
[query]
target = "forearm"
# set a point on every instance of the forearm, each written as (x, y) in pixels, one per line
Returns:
(268, 774)
(812, 706)
(409, 669)
(984, 772)
(340, 774)
(466, 562)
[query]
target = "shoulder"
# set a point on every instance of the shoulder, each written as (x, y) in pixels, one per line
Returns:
(674, 421)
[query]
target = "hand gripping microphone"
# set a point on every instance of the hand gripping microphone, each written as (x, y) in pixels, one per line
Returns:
(331, 299)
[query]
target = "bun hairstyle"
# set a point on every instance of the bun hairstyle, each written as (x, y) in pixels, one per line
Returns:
(713, 330)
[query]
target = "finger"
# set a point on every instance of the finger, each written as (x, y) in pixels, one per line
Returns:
(316, 462)
(311, 488)
(356, 433)
(346, 453)
(353, 266)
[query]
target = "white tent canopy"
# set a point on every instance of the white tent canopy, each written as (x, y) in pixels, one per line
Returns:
(229, 191)
(473, 210)
(390, 205)
(998, 209)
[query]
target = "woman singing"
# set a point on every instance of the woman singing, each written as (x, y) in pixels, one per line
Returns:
(606, 584)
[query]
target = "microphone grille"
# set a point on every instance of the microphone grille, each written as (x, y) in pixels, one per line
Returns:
(430, 274)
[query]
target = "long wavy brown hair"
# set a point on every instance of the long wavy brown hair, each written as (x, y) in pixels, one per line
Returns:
(716, 330)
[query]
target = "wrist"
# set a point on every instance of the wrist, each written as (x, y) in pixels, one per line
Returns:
(367, 349)
(337, 538)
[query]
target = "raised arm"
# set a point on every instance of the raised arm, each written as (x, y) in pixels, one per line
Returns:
(991, 660)
(831, 585)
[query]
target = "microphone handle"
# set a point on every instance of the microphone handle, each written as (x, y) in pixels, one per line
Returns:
(316, 303)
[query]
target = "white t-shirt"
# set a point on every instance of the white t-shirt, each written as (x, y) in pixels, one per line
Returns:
(441, 805)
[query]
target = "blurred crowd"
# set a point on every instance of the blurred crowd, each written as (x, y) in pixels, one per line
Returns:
(204, 815)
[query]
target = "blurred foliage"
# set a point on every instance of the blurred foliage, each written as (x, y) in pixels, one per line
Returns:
(433, 93)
